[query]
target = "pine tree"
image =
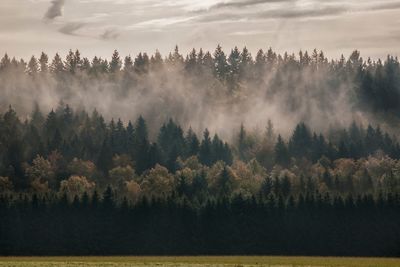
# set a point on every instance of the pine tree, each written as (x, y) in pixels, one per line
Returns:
(176, 58)
(71, 62)
(33, 66)
(281, 153)
(57, 66)
(51, 124)
(141, 145)
(260, 65)
(205, 156)
(5, 63)
(246, 64)
(156, 61)
(115, 63)
(191, 62)
(266, 187)
(104, 161)
(242, 143)
(192, 143)
(301, 141)
(128, 64)
(220, 65)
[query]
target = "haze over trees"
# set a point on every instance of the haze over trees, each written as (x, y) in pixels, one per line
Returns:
(153, 155)
(217, 90)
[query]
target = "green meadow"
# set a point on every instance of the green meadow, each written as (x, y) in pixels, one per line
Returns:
(234, 261)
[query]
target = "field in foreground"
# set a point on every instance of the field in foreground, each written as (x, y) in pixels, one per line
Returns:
(244, 261)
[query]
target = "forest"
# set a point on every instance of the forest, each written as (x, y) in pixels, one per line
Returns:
(204, 154)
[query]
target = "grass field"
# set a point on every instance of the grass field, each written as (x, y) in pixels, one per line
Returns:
(198, 261)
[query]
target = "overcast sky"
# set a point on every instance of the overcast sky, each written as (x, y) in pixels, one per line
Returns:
(97, 27)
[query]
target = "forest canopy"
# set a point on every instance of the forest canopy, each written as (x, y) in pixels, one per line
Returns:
(73, 152)
(217, 90)
(298, 151)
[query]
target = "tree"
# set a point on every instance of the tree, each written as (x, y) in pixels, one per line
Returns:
(300, 142)
(33, 66)
(51, 124)
(12, 148)
(205, 149)
(57, 66)
(37, 117)
(115, 63)
(142, 145)
(6, 186)
(260, 65)
(156, 61)
(141, 64)
(270, 131)
(128, 64)
(76, 186)
(242, 143)
(234, 62)
(246, 62)
(225, 184)
(133, 191)
(41, 172)
(285, 186)
(122, 160)
(5, 63)
(97, 66)
(120, 175)
(281, 153)
(176, 58)
(73, 62)
(80, 167)
(108, 201)
(104, 161)
(191, 62)
(220, 66)
(220, 151)
(172, 143)
(158, 182)
(192, 143)
(266, 187)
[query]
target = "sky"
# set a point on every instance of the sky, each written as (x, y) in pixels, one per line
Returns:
(97, 27)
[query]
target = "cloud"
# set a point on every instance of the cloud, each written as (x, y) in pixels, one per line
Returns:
(110, 34)
(303, 13)
(71, 27)
(162, 22)
(245, 3)
(281, 13)
(386, 6)
(245, 33)
(55, 10)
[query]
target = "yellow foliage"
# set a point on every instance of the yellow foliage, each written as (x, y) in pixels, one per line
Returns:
(76, 186)
(40, 169)
(344, 167)
(40, 186)
(187, 173)
(120, 175)
(133, 190)
(82, 168)
(192, 163)
(158, 182)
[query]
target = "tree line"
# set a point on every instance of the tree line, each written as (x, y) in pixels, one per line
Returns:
(73, 182)
(77, 152)
(311, 224)
(371, 86)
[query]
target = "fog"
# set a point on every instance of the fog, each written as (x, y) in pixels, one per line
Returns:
(286, 89)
